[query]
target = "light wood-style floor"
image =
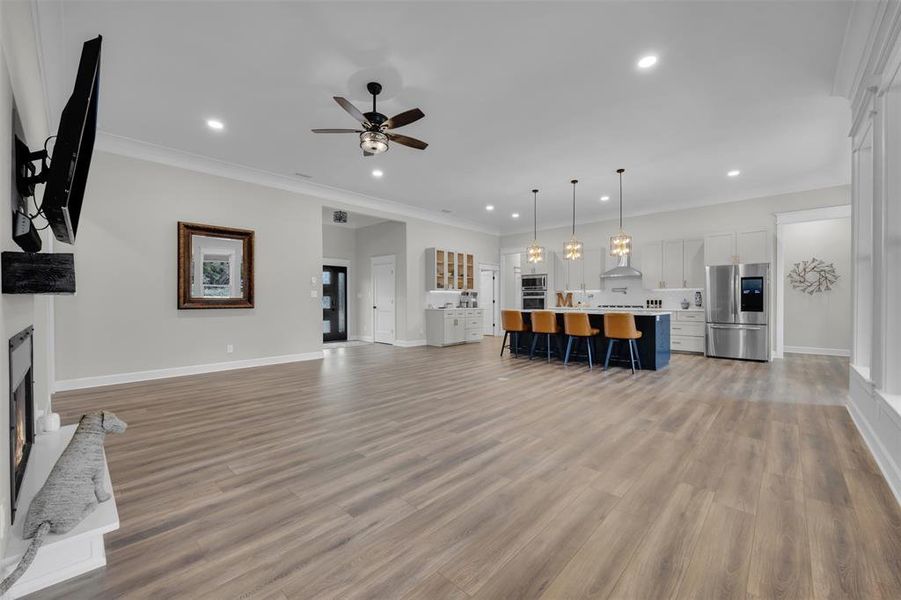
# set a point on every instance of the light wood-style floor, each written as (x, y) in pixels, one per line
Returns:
(452, 473)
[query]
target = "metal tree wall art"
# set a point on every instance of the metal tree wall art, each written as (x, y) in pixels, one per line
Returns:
(813, 276)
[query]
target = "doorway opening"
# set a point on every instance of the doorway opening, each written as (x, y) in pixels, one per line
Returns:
(334, 303)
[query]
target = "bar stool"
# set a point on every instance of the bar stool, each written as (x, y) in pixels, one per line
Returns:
(513, 324)
(544, 322)
(620, 327)
(576, 326)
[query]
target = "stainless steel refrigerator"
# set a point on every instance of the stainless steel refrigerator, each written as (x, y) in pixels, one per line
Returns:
(738, 311)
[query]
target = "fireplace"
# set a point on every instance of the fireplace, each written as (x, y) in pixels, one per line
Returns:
(21, 409)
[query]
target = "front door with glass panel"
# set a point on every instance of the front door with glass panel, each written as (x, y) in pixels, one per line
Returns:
(334, 304)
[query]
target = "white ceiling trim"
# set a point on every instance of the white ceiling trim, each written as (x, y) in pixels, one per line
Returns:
(123, 146)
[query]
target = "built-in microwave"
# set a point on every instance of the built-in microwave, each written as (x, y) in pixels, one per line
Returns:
(534, 282)
(533, 301)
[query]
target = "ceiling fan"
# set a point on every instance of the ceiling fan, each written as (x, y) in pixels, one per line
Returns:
(375, 135)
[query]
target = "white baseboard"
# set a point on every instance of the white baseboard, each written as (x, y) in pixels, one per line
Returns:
(815, 350)
(365, 338)
(879, 424)
(119, 378)
(409, 343)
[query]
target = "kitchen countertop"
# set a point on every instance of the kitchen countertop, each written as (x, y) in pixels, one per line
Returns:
(600, 311)
(456, 308)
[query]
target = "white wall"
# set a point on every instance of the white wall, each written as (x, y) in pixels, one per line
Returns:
(381, 239)
(822, 321)
(339, 242)
(124, 317)
(20, 84)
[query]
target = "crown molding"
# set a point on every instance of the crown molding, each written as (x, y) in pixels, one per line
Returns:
(328, 195)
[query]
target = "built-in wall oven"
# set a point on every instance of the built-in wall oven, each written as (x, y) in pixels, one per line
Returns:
(534, 291)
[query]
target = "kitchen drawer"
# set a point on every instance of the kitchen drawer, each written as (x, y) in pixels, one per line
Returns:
(687, 329)
(473, 335)
(453, 314)
(474, 324)
(473, 312)
(697, 316)
(682, 343)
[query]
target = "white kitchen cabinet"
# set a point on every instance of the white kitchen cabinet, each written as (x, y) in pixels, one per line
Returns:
(449, 270)
(693, 263)
(651, 266)
(751, 246)
(672, 272)
(719, 249)
(449, 326)
(592, 266)
(687, 330)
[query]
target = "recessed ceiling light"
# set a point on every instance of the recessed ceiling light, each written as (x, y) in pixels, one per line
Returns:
(515, 215)
(605, 198)
(377, 173)
(489, 207)
(215, 124)
(734, 173)
(646, 62)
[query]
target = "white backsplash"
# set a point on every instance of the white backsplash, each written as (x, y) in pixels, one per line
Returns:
(635, 294)
(438, 299)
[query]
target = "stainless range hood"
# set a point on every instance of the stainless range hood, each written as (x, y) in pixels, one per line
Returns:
(622, 270)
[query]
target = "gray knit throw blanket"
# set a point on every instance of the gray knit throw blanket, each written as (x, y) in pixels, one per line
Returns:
(72, 490)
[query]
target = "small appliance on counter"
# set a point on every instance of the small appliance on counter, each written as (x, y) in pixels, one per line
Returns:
(469, 299)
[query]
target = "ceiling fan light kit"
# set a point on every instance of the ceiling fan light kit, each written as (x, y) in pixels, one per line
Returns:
(621, 243)
(572, 249)
(373, 142)
(534, 252)
(376, 134)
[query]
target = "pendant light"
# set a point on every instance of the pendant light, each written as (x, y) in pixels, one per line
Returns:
(572, 249)
(535, 252)
(621, 243)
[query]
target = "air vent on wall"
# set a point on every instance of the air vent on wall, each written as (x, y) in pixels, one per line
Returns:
(339, 216)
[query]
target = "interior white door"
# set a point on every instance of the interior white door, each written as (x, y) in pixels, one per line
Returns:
(383, 300)
(489, 287)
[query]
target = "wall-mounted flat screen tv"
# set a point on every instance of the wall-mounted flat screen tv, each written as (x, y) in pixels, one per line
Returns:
(71, 159)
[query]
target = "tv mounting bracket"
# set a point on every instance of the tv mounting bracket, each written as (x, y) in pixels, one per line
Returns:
(26, 176)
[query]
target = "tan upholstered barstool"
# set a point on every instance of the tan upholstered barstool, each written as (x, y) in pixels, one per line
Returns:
(544, 322)
(513, 324)
(577, 327)
(619, 327)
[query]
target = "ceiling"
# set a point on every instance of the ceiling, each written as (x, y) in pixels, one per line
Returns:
(516, 96)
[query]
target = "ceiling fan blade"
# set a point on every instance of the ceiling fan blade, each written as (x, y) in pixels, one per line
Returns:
(404, 118)
(407, 141)
(337, 130)
(351, 109)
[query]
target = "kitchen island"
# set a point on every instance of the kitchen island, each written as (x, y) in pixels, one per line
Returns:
(653, 346)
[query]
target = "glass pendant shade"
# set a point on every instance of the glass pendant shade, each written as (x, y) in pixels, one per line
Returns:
(572, 249)
(373, 142)
(534, 252)
(621, 244)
